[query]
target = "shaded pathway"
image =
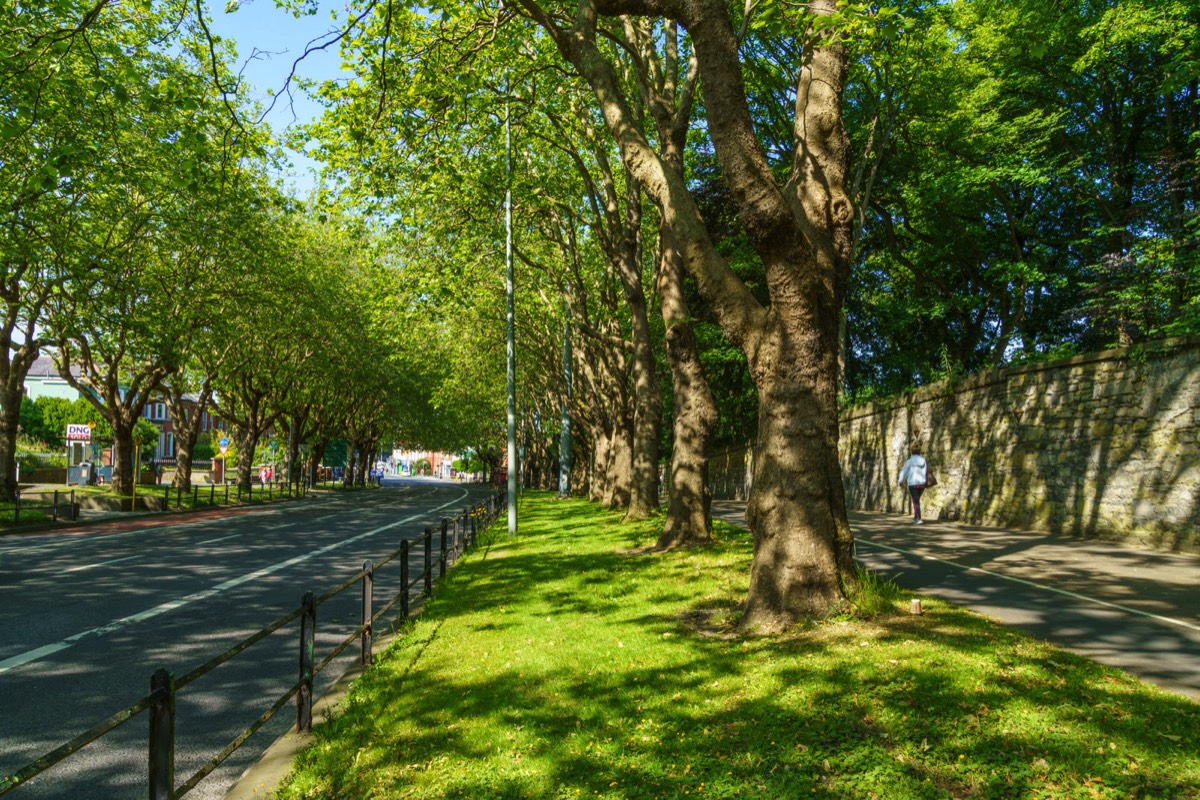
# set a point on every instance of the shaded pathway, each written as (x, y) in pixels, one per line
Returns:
(1138, 610)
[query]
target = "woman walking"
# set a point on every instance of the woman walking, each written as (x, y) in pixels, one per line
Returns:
(913, 474)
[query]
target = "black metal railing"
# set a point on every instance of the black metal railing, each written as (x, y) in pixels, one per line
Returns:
(164, 687)
(60, 505)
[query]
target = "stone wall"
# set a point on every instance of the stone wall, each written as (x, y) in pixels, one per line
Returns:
(1100, 445)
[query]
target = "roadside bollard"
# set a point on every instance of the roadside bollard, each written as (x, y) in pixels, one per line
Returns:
(442, 564)
(429, 562)
(162, 736)
(404, 579)
(368, 592)
(304, 698)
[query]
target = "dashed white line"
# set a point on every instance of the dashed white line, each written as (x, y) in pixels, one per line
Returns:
(101, 564)
(218, 539)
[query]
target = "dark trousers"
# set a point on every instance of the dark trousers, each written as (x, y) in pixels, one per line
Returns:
(916, 491)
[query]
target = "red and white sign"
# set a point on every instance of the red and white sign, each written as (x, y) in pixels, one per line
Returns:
(79, 433)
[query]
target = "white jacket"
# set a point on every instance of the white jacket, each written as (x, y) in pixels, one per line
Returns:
(913, 471)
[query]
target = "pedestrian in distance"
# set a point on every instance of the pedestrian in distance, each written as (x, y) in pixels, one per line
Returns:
(913, 474)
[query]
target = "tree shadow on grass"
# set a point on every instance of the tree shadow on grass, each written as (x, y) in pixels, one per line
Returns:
(620, 694)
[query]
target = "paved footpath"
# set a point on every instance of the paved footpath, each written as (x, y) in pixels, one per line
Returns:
(1135, 609)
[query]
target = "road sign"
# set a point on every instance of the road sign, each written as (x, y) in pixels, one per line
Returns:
(79, 433)
(224, 442)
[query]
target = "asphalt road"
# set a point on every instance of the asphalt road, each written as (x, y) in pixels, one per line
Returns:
(1135, 609)
(87, 616)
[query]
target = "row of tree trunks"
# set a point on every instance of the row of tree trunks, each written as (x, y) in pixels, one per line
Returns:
(802, 231)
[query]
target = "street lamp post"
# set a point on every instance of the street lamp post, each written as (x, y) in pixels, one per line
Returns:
(511, 332)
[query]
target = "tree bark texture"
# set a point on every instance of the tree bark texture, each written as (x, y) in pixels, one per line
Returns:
(689, 495)
(14, 366)
(186, 423)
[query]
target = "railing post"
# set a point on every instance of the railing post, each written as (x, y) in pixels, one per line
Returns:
(404, 579)
(162, 736)
(167, 498)
(73, 514)
(442, 565)
(226, 492)
(429, 562)
(308, 627)
(212, 494)
(368, 590)
(474, 532)
(17, 506)
(54, 513)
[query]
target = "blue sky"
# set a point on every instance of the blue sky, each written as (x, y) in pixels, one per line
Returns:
(279, 39)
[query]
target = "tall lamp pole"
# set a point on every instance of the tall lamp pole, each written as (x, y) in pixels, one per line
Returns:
(511, 344)
(564, 445)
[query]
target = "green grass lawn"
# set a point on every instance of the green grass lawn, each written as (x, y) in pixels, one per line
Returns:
(562, 664)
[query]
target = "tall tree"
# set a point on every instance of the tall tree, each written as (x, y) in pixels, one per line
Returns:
(801, 227)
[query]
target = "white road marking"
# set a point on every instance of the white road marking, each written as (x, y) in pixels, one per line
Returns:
(41, 652)
(101, 564)
(1022, 581)
(218, 539)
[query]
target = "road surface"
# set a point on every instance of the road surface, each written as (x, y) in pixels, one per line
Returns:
(86, 616)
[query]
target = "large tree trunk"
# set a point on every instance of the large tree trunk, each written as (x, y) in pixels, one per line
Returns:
(124, 470)
(315, 455)
(647, 405)
(644, 394)
(186, 423)
(15, 363)
(247, 439)
(797, 480)
(598, 482)
(620, 465)
(689, 504)
(10, 422)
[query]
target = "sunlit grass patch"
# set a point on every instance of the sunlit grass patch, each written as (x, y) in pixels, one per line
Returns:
(560, 664)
